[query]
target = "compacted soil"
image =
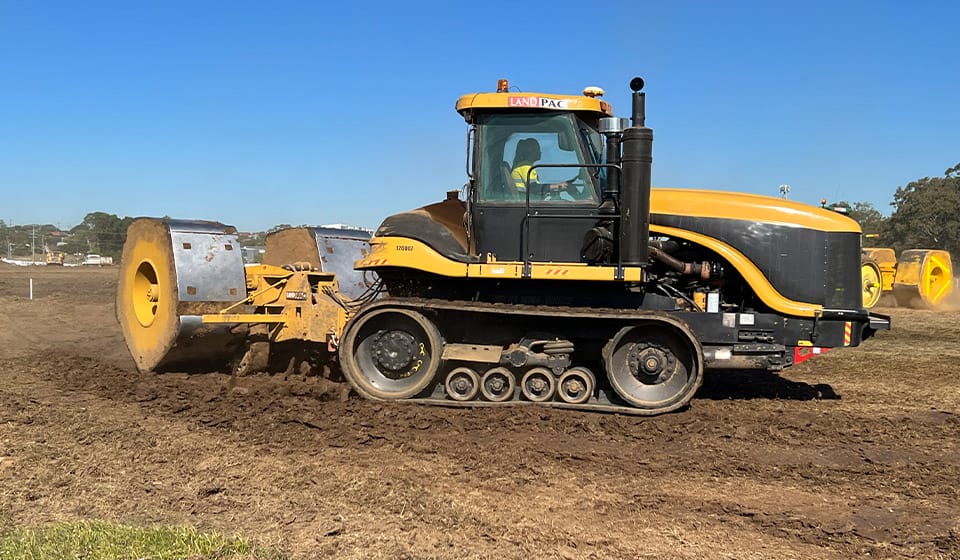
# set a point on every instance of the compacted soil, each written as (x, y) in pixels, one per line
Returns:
(853, 454)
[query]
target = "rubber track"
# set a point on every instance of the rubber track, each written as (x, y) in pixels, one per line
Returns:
(519, 309)
(602, 404)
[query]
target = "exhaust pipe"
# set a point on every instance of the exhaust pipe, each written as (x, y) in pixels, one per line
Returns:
(636, 162)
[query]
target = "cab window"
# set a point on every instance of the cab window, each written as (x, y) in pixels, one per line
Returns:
(510, 147)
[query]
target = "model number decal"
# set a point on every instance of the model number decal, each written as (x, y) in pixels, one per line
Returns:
(404, 247)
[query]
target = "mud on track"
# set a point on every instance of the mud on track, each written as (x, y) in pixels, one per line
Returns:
(852, 454)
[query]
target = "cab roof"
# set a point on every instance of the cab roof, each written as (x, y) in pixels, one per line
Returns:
(525, 101)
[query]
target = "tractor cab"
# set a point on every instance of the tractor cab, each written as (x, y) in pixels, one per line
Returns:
(552, 179)
(536, 172)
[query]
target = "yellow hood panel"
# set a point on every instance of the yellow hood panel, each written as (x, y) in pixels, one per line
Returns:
(741, 206)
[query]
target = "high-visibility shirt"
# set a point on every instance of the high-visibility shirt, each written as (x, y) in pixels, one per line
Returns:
(520, 175)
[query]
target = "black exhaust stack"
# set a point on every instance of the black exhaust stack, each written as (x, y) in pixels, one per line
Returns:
(636, 162)
(639, 114)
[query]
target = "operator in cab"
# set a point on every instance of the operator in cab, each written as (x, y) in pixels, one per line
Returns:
(527, 154)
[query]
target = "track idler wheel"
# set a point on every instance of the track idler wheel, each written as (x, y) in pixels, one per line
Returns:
(656, 366)
(463, 384)
(538, 384)
(390, 353)
(576, 385)
(498, 384)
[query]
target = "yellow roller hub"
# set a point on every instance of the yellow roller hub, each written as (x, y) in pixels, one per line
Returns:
(147, 293)
(871, 282)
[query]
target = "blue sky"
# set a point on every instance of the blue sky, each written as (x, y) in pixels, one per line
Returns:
(260, 113)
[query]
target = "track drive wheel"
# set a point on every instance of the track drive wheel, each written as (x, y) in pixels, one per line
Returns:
(390, 353)
(656, 366)
(871, 282)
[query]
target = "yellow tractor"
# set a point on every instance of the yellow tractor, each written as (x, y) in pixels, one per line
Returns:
(559, 279)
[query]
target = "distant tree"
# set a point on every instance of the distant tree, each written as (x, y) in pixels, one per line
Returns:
(927, 214)
(75, 244)
(869, 218)
(101, 233)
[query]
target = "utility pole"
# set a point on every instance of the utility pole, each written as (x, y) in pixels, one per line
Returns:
(33, 243)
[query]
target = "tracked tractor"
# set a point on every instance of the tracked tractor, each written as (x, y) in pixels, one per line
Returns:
(559, 278)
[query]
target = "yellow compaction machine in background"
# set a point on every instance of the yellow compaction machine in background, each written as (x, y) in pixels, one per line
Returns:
(559, 279)
(920, 278)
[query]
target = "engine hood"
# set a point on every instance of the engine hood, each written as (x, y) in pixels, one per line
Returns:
(701, 203)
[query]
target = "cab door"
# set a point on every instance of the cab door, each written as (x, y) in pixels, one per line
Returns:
(540, 213)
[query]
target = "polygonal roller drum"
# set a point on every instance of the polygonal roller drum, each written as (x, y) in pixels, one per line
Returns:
(325, 248)
(924, 278)
(171, 272)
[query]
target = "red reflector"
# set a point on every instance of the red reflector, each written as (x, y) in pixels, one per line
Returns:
(804, 353)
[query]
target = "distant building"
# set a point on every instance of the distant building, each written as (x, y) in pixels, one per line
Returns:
(346, 226)
(253, 255)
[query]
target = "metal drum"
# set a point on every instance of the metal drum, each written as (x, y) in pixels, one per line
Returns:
(171, 272)
(329, 249)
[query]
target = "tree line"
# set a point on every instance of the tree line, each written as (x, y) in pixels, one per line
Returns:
(926, 215)
(99, 233)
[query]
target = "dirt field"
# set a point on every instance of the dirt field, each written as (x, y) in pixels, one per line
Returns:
(853, 454)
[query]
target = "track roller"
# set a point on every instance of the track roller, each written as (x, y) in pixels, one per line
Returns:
(576, 385)
(498, 384)
(655, 365)
(390, 353)
(463, 384)
(538, 384)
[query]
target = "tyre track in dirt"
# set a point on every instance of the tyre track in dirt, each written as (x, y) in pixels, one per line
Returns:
(884, 464)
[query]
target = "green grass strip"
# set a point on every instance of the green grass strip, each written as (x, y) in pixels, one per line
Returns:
(96, 540)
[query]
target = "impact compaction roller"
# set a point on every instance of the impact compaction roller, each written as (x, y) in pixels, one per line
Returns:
(920, 278)
(924, 278)
(175, 272)
(185, 298)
